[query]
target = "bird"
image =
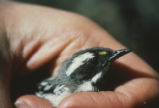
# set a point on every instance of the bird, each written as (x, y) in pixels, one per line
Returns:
(80, 73)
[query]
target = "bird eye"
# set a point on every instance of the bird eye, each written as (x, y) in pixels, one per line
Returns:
(102, 52)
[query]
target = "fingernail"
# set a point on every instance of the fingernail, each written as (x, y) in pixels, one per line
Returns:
(21, 104)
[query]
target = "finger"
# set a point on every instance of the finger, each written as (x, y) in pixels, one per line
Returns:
(31, 101)
(46, 52)
(130, 95)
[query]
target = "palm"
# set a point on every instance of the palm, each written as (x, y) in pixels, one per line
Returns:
(43, 35)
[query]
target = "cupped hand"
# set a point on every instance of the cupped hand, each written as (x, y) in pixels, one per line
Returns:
(32, 36)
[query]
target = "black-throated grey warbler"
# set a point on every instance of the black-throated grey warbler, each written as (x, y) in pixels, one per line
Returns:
(81, 72)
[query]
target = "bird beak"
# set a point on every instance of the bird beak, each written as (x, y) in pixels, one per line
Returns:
(119, 53)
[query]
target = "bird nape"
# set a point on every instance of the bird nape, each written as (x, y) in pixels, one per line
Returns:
(80, 73)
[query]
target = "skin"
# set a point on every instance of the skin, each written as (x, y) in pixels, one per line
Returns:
(32, 36)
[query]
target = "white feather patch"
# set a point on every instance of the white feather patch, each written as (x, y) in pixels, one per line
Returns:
(62, 92)
(96, 77)
(78, 61)
(44, 83)
(55, 99)
(60, 89)
(86, 86)
(47, 87)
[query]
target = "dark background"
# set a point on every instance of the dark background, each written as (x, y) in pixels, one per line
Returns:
(134, 23)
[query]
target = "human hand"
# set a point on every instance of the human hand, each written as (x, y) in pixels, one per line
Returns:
(38, 35)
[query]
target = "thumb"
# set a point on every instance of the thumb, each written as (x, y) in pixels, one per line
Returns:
(93, 100)
(141, 92)
(31, 101)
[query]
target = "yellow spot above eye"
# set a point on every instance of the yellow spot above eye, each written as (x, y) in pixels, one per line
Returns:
(102, 53)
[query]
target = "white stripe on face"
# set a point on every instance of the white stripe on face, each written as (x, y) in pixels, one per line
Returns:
(78, 61)
(96, 77)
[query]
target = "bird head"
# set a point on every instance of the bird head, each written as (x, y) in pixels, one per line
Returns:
(92, 64)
